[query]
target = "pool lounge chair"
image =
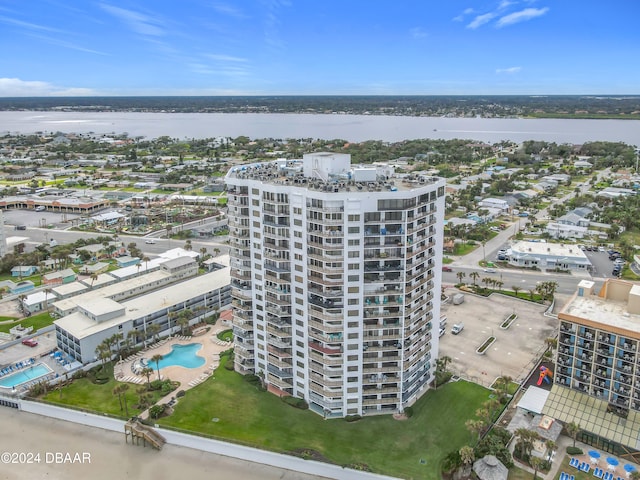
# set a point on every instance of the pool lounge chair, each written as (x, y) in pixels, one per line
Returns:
(574, 462)
(564, 476)
(598, 472)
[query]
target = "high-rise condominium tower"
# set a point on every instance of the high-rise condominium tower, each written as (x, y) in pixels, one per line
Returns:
(335, 274)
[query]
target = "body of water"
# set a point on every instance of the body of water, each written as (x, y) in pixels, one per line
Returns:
(180, 355)
(354, 128)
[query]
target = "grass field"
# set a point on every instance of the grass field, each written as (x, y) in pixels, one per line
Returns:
(36, 321)
(247, 415)
(84, 394)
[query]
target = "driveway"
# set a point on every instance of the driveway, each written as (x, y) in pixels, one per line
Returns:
(515, 351)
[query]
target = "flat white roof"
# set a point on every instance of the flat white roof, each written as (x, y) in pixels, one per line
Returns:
(68, 289)
(552, 249)
(80, 326)
(534, 399)
(110, 290)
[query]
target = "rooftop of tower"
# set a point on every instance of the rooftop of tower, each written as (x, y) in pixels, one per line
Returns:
(616, 305)
(331, 172)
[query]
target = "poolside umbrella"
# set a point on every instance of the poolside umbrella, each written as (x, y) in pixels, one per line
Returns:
(594, 453)
(629, 468)
(612, 461)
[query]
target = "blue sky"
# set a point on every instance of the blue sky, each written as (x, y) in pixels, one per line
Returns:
(318, 47)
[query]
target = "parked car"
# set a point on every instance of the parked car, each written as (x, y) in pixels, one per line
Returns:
(150, 241)
(442, 331)
(457, 328)
(30, 342)
(447, 269)
(489, 270)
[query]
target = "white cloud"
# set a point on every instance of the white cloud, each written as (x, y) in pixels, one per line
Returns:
(417, 32)
(510, 70)
(229, 10)
(14, 87)
(481, 20)
(138, 22)
(521, 16)
(466, 11)
(225, 58)
(28, 25)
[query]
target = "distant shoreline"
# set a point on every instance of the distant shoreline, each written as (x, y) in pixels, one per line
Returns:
(339, 127)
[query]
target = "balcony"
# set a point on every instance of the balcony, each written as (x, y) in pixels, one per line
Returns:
(325, 327)
(325, 349)
(334, 360)
(327, 382)
(279, 352)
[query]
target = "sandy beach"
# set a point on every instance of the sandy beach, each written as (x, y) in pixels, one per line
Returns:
(103, 454)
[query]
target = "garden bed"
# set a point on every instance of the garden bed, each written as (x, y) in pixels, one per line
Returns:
(508, 321)
(485, 346)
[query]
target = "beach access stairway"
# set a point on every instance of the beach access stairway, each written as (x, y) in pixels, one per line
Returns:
(138, 430)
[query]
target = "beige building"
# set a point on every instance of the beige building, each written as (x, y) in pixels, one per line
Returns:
(597, 377)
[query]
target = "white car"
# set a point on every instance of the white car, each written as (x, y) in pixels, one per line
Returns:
(489, 270)
(150, 241)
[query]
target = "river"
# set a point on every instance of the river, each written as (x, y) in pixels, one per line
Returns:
(354, 128)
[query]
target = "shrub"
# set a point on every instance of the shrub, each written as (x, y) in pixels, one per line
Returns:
(574, 451)
(295, 402)
(253, 379)
(352, 418)
(181, 393)
(79, 374)
(408, 412)
(157, 410)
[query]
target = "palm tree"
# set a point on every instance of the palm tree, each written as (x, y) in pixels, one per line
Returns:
(94, 277)
(152, 331)
(550, 445)
(123, 388)
(573, 429)
(515, 289)
(183, 322)
(103, 352)
(147, 372)
(474, 276)
(536, 463)
(216, 251)
(203, 251)
(132, 335)
(187, 245)
(146, 259)
(156, 358)
(475, 427)
(460, 276)
(467, 456)
(118, 392)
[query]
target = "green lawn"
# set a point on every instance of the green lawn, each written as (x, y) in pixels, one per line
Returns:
(98, 398)
(247, 415)
(36, 321)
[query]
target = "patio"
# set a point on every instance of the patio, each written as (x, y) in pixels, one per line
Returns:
(129, 370)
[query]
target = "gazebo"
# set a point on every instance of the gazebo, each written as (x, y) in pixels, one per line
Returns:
(490, 468)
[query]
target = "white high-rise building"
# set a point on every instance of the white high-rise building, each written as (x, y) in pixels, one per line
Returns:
(335, 275)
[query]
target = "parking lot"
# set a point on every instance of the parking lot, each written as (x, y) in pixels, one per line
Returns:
(602, 266)
(30, 218)
(515, 351)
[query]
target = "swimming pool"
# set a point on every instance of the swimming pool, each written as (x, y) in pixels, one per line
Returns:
(24, 376)
(180, 355)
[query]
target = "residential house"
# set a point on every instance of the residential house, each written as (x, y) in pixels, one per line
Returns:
(23, 270)
(59, 277)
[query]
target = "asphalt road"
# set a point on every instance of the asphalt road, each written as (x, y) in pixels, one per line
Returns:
(34, 236)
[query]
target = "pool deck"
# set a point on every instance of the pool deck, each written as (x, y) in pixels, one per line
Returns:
(188, 377)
